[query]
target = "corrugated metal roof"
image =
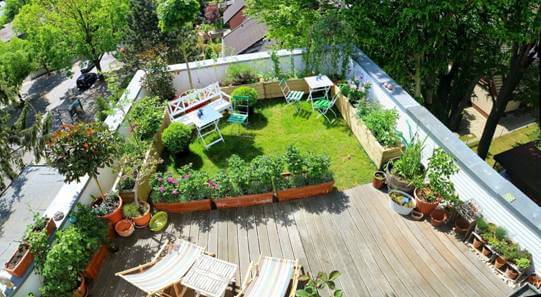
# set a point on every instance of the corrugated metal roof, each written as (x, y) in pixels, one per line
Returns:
(233, 9)
(244, 36)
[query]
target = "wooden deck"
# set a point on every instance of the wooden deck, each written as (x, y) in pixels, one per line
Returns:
(378, 252)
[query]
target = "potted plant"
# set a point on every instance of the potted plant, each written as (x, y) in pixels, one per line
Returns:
(439, 187)
(139, 213)
(245, 184)
(378, 181)
(406, 171)
(308, 175)
(33, 248)
(189, 192)
(467, 214)
(109, 208)
(401, 202)
(438, 217)
(82, 149)
(124, 228)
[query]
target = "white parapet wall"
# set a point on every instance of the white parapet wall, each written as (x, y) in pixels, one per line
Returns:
(499, 200)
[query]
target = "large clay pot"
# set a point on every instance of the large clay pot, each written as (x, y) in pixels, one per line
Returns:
(50, 227)
(114, 216)
(438, 217)
(500, 262)
(511, 273)
(244, 201)
(94, 265)
(477, 243)
(378, 181)
(142, 220)
(124, 228)
(305, 192)
(396, 182)
(461, 225)
(486, 251)
(424, 206)
(185, 206)
(21, 260)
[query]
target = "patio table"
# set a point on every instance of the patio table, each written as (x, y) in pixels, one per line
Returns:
(209, 276)
(317, 84)
(206, 119)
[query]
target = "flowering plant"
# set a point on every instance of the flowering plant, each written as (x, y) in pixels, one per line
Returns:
(191, 185)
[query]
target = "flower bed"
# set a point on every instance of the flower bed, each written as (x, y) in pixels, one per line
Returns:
(271, 89)
(376, 152)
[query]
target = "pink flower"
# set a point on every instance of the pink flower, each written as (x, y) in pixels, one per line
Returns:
(170, 180)
(186, 176)
(174, 193)
(212, 184)
(160, 179)
(162, 189)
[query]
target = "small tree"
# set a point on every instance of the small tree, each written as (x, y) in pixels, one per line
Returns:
(158, 80)
(78, 150)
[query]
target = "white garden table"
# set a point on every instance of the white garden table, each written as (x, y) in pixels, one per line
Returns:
(317, 84)
(206, 121)
(209, 277)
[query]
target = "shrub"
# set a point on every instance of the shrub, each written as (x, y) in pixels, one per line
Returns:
(440, 168)
(523, 263)
(146, 116)
(305, 169)
(158, 80)
(248, 92)
(39, 246)
(192, 185)
(177, 137)
(240, 74)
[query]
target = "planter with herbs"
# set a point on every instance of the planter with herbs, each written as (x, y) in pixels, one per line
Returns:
(308, 175)
(108, 207)
(34, 247)
(439, 187)
(139, 213)
(406, 171)
(244, 184)
(373, 126)
(506, 256)
(75, 251)
(188, 193)
(401, 202)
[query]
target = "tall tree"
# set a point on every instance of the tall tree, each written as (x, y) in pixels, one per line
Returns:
(518, 26)
(15, 65)
(177, 17)
(90, 27)
(47, 46)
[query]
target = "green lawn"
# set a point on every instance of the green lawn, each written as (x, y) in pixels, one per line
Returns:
(274, 126)
(508, 141)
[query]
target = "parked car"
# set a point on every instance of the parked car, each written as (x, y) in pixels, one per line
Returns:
(86, 80)
(86, 66)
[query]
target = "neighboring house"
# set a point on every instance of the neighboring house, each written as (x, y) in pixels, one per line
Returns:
(247, 35)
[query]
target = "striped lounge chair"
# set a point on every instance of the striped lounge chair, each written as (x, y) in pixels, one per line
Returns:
(161, 273)
(271, 277)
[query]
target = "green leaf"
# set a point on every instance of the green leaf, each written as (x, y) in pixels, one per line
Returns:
(302, 293)
(338, 293)
(331, 285)
(334, 275)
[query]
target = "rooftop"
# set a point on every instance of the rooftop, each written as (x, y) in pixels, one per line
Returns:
(378, 252)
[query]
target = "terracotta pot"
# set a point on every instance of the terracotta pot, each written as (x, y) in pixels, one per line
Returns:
(96, 262)
(535, 280)
(142, 220)
(244, 201)
(114, 216)
(500, 262)
(20, 261)
(461, 225)
(477, 243)
(511, 273)
(424, 206)
(486, 251)
(304, 192)
(50, 227)
(127, 196)
(379, 180)
(396, 182)
(438, 217)
(417, 215)
(124, 228)
(82, 290)
(183, 207)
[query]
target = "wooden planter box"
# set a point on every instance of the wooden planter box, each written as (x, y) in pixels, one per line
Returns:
(304, 192)
(269, 90)
(244, 201)
(23, 259)
(96, 262)
(183, 207)
(375, 151)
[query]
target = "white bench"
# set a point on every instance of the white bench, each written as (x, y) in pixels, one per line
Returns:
(183, 109)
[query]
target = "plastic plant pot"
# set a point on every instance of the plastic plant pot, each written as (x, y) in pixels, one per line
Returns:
(158, 221)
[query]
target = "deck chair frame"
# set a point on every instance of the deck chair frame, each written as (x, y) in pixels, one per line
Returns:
(176, 285)
(323, 111)
(253, 271)
(289, 95)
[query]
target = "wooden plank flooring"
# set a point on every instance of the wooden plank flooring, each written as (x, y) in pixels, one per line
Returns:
(378, 252)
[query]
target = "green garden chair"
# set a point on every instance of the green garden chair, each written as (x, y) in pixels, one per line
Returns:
(291, 96)
(323, 105)
(240, 110)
